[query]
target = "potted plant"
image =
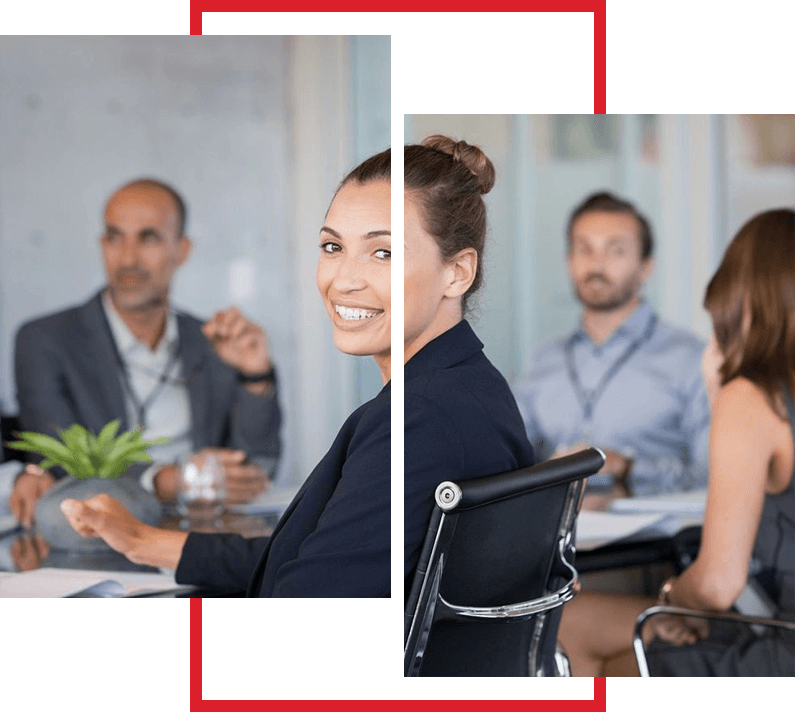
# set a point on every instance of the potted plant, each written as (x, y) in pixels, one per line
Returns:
(83, 454)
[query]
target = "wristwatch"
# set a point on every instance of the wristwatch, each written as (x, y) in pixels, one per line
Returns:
(268, 376)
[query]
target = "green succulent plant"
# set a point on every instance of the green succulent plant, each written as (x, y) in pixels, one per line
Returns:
(83, 454)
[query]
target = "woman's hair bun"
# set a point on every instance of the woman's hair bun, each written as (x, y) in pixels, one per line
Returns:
(471, 156)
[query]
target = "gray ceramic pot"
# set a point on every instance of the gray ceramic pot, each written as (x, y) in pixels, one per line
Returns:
(52, 524)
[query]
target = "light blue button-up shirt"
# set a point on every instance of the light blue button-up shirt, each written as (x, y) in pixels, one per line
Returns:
(653, 410)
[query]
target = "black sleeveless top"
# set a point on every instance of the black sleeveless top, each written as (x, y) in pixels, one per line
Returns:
(774, 551)
(732, 650)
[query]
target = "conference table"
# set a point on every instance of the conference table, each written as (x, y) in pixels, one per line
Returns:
(33, 567)
(641, 531)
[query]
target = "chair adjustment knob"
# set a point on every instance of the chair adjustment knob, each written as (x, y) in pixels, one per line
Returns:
(448, 495)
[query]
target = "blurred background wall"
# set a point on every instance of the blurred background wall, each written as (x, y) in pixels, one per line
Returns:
(697, 178)
(255, 132)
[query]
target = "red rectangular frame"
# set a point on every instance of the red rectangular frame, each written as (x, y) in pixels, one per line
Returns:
(597, 7)
(197, 704)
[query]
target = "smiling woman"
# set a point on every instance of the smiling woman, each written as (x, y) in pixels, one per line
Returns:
(334, 538)
(353, 273)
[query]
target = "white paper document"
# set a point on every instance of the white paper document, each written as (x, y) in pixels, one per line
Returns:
(596, 529)
(640, 518)
(686, 504)
(63, 583)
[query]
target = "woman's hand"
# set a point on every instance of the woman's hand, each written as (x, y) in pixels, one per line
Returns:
(676, 630)
(105, 517)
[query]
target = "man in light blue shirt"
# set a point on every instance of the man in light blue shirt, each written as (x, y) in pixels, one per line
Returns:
(624, 380)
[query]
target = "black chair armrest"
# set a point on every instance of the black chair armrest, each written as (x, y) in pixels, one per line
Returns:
(493, 488)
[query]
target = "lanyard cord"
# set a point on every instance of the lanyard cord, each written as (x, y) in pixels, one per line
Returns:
(588, 399)
(140, 407)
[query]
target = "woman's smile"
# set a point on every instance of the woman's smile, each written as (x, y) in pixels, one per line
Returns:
(354, 319)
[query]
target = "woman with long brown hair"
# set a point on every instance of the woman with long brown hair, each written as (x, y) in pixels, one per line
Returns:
(749, 526)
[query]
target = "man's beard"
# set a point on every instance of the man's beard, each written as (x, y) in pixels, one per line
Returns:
(138, 302)
(615, 298)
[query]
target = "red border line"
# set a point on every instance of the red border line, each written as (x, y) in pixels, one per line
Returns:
(597, 7)
(197, 704)
(195, 653)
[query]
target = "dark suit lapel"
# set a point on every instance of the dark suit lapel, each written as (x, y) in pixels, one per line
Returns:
(256, 578)
(193, 352)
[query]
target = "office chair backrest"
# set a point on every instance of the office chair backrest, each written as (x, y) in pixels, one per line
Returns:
(494, 543)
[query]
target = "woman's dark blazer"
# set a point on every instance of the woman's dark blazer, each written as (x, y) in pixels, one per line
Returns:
(461, 421)
(334, 538)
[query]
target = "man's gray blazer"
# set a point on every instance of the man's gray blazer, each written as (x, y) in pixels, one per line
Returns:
(67, 372)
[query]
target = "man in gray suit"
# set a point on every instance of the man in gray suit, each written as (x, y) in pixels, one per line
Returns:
(209, 388)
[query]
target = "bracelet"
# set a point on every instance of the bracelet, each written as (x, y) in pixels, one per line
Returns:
(663, 598)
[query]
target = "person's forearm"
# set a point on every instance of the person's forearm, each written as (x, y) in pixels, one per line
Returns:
(159, 547)
(692, 589)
